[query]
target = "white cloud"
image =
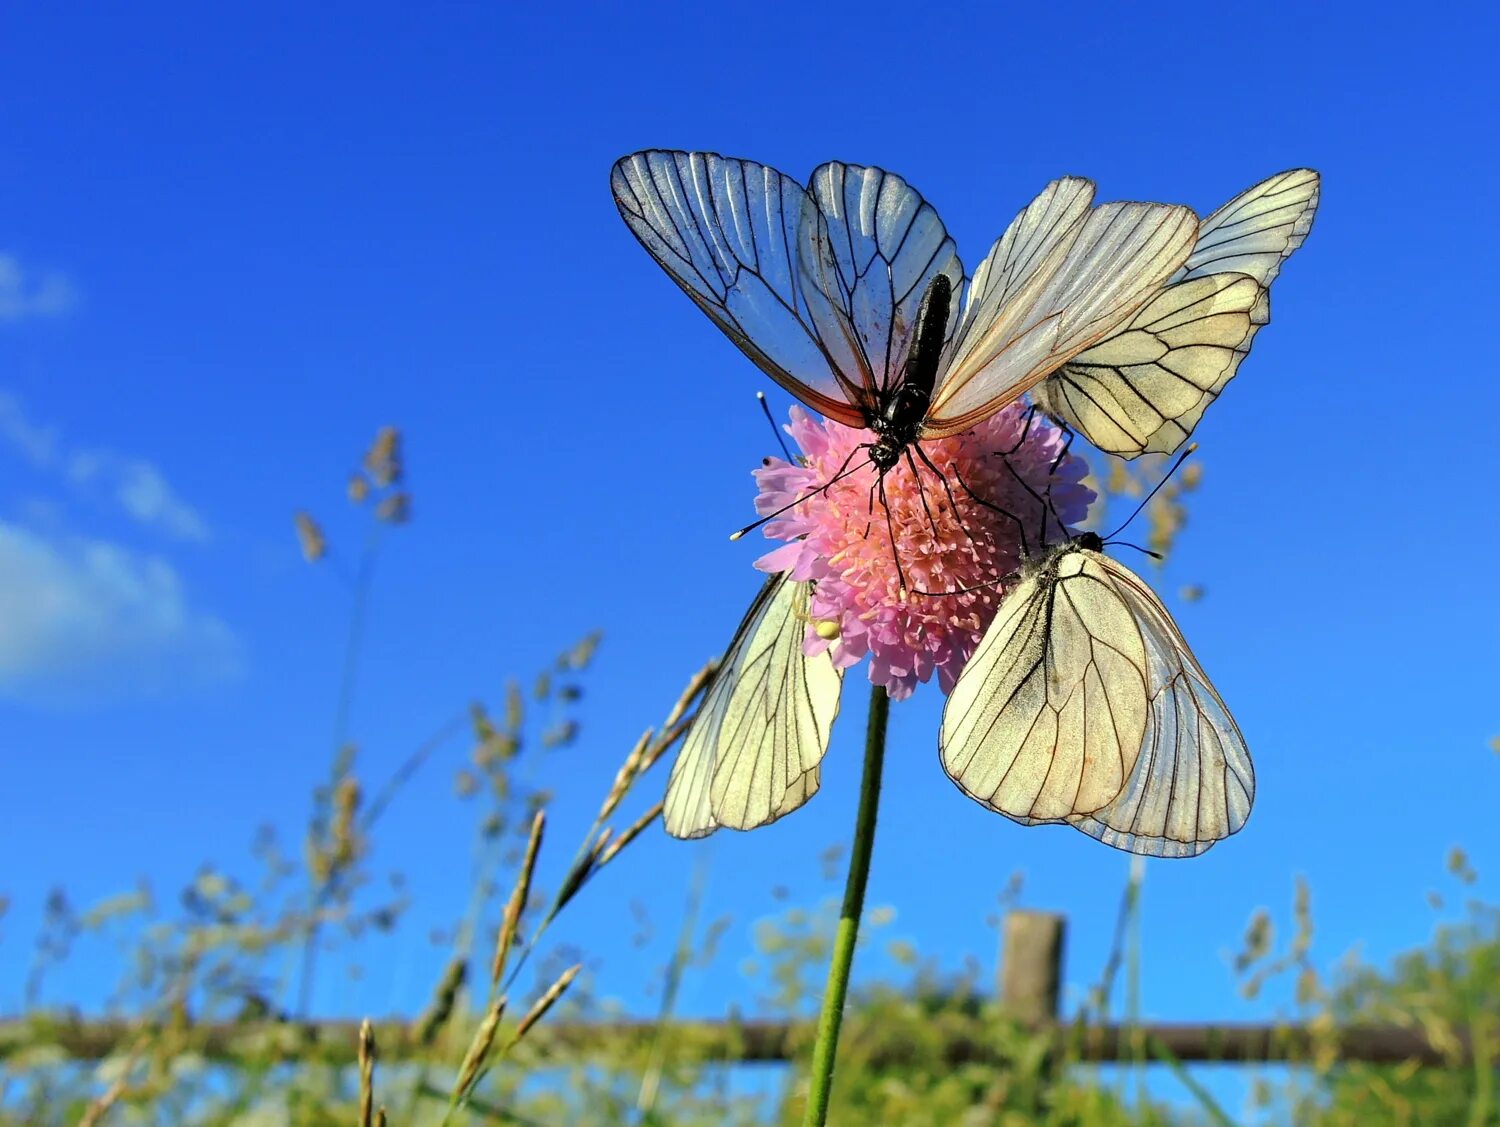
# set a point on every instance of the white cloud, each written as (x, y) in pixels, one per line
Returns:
(145, 495)
(140, 490)
(136, 486)
(26, 293)
(38, 445)
(87, 619)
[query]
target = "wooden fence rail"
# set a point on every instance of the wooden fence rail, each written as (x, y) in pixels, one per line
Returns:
(1029, 988)
(333, 1042)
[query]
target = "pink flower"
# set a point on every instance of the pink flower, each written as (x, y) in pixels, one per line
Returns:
(955, 537)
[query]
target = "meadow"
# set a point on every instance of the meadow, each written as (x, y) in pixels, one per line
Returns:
(335, 757)
(210, 1022)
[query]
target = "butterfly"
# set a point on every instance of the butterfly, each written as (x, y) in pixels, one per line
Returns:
(1143, 390)
(850, 294)
(1083, 705)
(1124, 320)
(752, 752)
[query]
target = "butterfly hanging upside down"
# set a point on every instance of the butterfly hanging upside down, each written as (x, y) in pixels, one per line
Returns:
(1084, 706)
(1122, 321)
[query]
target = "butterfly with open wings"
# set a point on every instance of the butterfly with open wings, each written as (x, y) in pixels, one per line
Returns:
(1123, 321)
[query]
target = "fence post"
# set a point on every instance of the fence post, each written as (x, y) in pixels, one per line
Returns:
(1031, 965)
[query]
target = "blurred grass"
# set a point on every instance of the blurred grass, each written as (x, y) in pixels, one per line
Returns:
(243, 949)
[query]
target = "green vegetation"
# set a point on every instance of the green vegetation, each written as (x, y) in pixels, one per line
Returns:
(209, 1023)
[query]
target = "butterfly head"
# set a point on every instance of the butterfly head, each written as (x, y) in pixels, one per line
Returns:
(1089, 541)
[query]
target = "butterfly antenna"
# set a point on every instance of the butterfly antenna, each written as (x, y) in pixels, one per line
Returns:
(1146, 500)
(1145, 551)
(776, 430)
(844, 471)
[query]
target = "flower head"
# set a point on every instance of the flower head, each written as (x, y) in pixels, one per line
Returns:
(909, 567)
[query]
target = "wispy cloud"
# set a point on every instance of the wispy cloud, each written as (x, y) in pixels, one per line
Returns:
(137, 487)
(38, 445)
(140, 489)
(92, 620)
(31, 293)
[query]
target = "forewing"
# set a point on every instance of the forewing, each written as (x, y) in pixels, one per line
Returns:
(753, 751)
(1192, 784)
(727, 232)
(1049, 714)
(1087, 282)
(1256, 232)
(1144, 389)
(1021, 261)
(869, 257)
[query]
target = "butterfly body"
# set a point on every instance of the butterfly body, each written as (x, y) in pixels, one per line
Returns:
(897, 421)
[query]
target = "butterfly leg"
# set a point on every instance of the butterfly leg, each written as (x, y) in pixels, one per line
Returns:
(1030, 417)
(994, 508)
(947, 489)
(1067, 444)
(890, 528)
(922, 492)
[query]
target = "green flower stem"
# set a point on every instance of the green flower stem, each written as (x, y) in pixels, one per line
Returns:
(820, 1084)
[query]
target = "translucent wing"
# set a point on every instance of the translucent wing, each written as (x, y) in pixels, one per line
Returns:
(752, 753)
(1083, 705)
(1256, 232)
(1058, 281)
(1144, 389)
(878, 246)
(1022, 259)
(1134, 394)
(727, 231)
(1049, 714)
(1193, 783)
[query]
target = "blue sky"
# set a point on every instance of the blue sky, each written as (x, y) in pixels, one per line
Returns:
(233, 245)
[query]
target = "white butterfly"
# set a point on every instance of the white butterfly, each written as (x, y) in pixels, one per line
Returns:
(1083, 705)
(848, 292)
(752, 752)
(1144, 389)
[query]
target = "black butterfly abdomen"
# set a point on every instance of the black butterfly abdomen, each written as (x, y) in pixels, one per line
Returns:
(899, 419)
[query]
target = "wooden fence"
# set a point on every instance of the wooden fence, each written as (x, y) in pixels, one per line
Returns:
(1030, 981)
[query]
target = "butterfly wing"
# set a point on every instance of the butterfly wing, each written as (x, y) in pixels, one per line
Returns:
(1258, 230)
(1061, 278)
(819, 289)
(753, 751)
(869, 262)
(1193, 783)
(1144, 390)
(1050, 712)
(1084, 705)
(727, 232)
